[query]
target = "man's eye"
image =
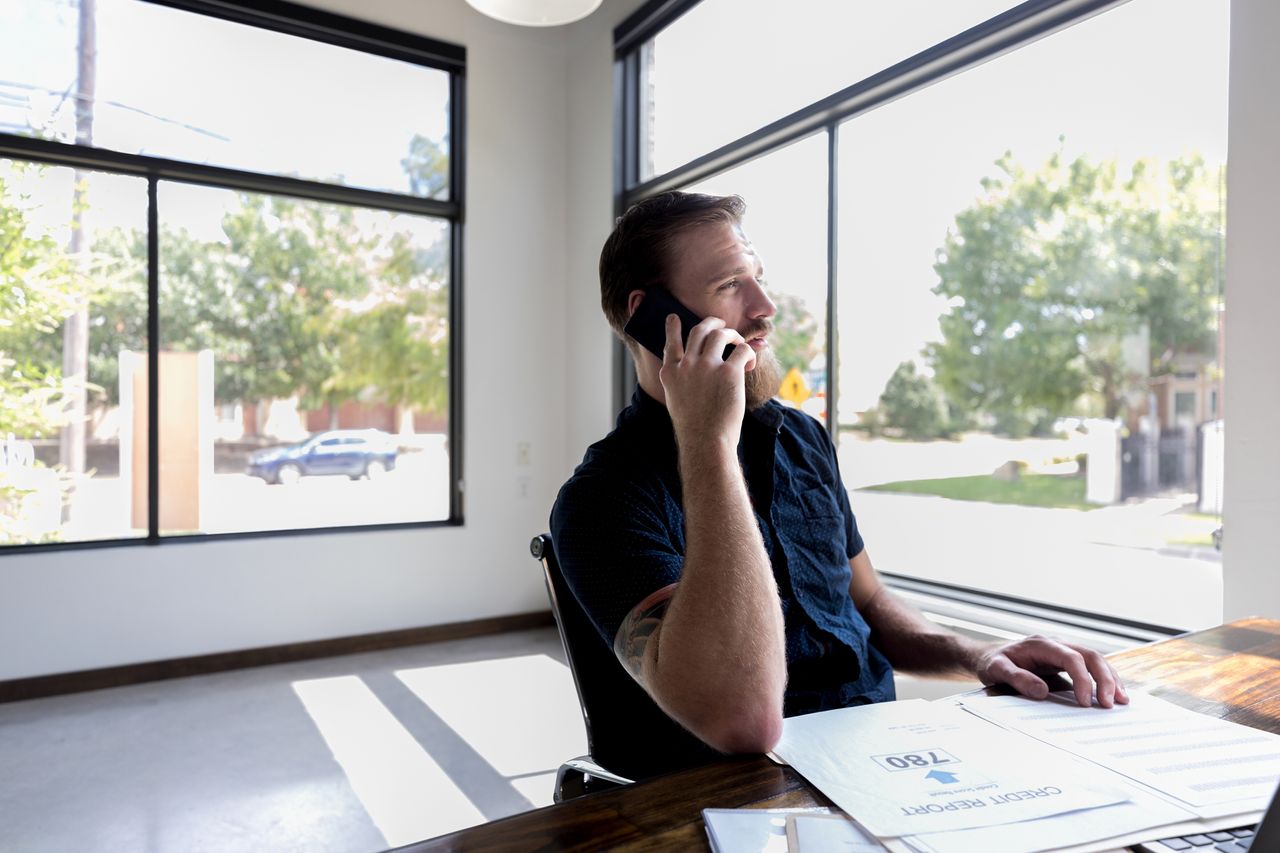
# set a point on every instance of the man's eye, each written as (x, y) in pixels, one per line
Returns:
(729, 284)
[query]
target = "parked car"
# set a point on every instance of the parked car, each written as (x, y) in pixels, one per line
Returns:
(354, 452)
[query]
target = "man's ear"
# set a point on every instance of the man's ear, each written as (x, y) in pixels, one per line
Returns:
(634, 298)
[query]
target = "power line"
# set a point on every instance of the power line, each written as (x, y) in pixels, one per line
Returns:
(64, 94)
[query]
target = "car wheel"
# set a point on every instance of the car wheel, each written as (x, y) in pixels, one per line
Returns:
(375, 470)
(289, 474)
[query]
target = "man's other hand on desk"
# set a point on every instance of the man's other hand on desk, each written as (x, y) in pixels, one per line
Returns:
(1024, 664)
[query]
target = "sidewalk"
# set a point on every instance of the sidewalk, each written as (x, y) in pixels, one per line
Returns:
(1114, 561)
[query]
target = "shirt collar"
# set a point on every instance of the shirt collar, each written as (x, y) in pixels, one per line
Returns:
(653, 414)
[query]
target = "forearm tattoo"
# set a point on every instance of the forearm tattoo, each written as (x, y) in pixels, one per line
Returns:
(638, 628)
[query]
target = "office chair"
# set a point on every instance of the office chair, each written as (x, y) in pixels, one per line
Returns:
(583, 774)
(628, 736)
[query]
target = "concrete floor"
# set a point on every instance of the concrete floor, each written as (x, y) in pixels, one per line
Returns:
(351, 754)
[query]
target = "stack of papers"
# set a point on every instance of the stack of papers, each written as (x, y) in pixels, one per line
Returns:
(1009, 773)
(817, 830)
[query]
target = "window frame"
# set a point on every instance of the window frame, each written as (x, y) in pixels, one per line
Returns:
(1016, 27)
(298, 21)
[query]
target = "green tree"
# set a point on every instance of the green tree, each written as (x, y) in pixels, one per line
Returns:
(795, 335)
(39, 288)
(1052, 272)
(397, 351)
(912, 404)
(427, 166)
(299, 298)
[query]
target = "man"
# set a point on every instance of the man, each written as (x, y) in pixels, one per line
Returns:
(709, 536)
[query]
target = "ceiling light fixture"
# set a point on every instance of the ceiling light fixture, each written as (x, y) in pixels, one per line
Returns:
(536, 13)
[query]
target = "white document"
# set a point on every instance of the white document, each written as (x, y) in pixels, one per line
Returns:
(828, 834)
(751, 830)
(1214, 766)
(910, 768)
(1096, 829)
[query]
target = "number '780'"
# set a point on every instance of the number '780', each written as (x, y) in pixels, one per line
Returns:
(915, 760)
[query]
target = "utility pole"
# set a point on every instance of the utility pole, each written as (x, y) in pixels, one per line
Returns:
(75, 331)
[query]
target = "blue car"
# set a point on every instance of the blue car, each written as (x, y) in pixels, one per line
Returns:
(354, 452)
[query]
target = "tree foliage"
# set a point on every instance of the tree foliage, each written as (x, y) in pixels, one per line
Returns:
(912, 405)
(298, 299)
(427, 166)
(39, 287)
(795, 334)
(1053, 272)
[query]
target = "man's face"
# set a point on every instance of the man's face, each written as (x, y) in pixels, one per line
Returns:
(716, 273)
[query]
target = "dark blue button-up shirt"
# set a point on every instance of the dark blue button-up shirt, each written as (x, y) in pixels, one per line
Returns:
(618, 526)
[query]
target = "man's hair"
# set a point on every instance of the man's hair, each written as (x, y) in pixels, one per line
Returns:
(636, 255)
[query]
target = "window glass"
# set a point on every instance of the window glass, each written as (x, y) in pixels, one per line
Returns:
(304, 363)
(786, 221)
(73, 310)
(728, 67)
(189, 87)
(1030, 291)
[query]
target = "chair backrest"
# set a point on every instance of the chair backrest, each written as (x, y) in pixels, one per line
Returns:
(627, 733)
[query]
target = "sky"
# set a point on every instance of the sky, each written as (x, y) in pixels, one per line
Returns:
(181, 85)
(189, 87)
(1146, 79)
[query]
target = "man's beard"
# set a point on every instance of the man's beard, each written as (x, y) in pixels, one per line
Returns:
(764, 380)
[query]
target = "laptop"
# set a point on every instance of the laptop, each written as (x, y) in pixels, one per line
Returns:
(1264, 837)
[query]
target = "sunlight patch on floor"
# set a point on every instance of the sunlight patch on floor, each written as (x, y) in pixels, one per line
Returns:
(404, 791)
(539, 788)
(520, 714)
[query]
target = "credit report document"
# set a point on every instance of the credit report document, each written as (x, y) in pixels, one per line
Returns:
(1210, 766)
(914, 767)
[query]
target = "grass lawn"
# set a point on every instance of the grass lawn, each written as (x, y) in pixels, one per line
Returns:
(1049, 490)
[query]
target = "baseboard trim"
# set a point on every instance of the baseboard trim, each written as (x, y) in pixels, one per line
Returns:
(57, 684)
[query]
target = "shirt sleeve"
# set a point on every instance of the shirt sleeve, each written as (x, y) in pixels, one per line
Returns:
(616, 545)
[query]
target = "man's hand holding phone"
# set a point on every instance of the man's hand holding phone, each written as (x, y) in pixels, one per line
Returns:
(705, 391)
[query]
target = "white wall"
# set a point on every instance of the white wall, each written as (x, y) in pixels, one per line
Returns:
(1251, 485)
(536, 370)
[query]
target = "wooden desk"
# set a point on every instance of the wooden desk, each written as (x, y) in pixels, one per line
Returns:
(1232, 672)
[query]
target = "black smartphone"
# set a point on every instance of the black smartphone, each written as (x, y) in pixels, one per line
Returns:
(648, 325)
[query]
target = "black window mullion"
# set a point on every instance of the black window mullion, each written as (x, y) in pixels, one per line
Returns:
(153, 361)
(457, 184)
(833, 223)
(647, 21)
(457, 144)
(339, 30)
(457, 481)
(84, 157)
(626, 171)
(1021, 25)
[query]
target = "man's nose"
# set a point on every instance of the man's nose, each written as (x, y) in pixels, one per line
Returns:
(760, 305)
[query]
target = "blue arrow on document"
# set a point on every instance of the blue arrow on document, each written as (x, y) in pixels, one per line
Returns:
(941, 776)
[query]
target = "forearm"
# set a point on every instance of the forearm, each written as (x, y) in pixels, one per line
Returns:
(720, 662)
(915, 645)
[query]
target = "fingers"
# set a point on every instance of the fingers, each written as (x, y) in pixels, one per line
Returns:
(1090, 672)
(1072, 662)
(1109, 688)
(710, 337)
(743, 355)
(673, 350)
(1001, 670)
